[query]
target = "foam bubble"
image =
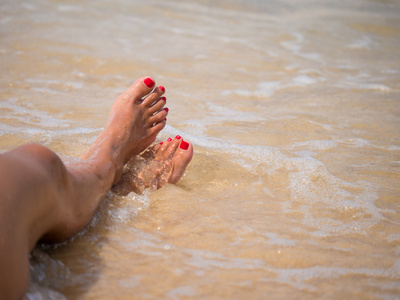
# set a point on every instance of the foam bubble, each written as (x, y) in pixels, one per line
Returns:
(128, 208)
(303, 80)
(376, 87)
(47, 274)
(317, 145)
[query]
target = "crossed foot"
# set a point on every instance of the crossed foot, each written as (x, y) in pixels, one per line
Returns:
(160, 164)
(136, 117)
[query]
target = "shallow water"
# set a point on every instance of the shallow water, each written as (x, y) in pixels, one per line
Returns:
(294, 112)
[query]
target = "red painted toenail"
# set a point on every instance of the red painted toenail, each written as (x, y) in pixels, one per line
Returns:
(161, 143)
(149, 82)
(169, 139)
(165, 119)
(184, 145)
(165, 99)
(161, 88)
(166, 109)
(178, 137)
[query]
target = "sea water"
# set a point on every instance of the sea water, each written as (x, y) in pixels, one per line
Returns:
(293, 108)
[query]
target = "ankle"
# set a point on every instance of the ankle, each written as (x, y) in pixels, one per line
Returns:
(106, 164)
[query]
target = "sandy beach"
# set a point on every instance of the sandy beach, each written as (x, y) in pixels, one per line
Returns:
(294, 112)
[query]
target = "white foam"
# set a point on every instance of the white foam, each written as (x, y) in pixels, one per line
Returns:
(217, 115)
(207, 260)
(273, 239)
(303, 80)
(46, 276)
(267, 89)
(182, 291)
(300, 278)
(48, 82)
(375, 86)
(128, 208)
(31, 116)
(363, 81)
(309, 182)
(317, 145)
(363, 43)
(47, 133)
(264, 89)
(313, 184)
(393, 237)
(295, 46)
(69, 8)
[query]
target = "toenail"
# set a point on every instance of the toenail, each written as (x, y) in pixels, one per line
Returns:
(178, 137)
(165, 119)
(184, 145)
(161, 143)
(165, 99)
(161, 88)
(149, 82)
(166, 109)
(169, 139)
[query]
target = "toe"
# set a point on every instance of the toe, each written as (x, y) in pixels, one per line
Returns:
(181, 158)
(157, 106)
(163, 146)
(153, 97)
(158, 146)
(157, 127)
(159, 116)
(139, 89)
(172, 146)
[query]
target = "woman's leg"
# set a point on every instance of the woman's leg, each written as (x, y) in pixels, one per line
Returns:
(43, 198)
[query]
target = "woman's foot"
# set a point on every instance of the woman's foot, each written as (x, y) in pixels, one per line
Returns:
(136, 117)
(161, 164)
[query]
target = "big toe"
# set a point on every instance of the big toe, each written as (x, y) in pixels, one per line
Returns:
(140, 88)
(181, 158)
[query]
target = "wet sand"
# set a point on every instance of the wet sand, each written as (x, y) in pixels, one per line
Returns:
(294, 112)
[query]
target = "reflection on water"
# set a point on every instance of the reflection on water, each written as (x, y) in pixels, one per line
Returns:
(294, 112)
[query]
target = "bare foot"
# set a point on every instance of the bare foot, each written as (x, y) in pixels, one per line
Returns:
(159, 165)
(136, 117)
(41, 198)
